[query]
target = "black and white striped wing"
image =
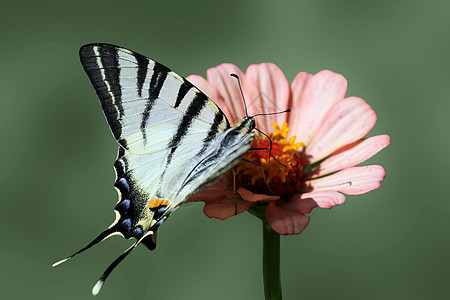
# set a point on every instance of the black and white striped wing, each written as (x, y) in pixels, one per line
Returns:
(144, 101)
(173, 140)
(167, 129)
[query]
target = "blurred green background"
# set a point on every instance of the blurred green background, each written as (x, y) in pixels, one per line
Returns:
(57, 151)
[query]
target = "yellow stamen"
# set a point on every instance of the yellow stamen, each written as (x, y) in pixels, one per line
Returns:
(291, 145)
(280, 133)
(277, 174)
(272, 168)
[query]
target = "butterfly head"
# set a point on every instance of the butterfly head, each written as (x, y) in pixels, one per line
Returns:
(246, 125)
(251, 122)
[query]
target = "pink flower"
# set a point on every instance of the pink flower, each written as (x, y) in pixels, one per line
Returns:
(318, 146)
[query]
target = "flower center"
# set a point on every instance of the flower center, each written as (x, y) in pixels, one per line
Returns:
(280, 175)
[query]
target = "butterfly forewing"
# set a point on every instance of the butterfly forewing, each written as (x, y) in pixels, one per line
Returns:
(143, 100)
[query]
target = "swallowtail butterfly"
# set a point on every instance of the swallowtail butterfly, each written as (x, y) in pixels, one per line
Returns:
(172, 139)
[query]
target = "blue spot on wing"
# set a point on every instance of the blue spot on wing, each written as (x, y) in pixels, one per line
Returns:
(160, 210)
(126, 224)
(123, 205)
(137, 232)
(123, 185)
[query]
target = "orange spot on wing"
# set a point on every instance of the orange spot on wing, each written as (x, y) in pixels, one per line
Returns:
(158, 202)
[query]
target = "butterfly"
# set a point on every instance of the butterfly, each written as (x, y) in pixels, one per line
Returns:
(173, 140)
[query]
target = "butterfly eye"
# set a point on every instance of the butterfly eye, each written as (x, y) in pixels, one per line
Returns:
(252, 123)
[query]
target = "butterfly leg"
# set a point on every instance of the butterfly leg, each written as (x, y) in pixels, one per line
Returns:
(262, 171)
(270, 155)
(233, 171)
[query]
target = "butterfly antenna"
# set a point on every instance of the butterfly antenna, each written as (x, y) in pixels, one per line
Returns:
(98, 286)
(273, 113)
(242, 93)
(102, 236)
(262, 114)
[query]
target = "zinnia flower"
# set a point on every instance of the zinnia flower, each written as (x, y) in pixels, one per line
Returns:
(316, 147)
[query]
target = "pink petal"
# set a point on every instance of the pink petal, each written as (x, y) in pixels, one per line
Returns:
(313, 101)
(252, 197)
(228, 88)
(267, 91)
(203, 85)
(351, 181)
(346, 122)
(211, 195)
(221, 189)
(353, 154)
(284, 221)
(304, 203)
(209, 90)
(218, 198)
(225, 208)
(297, 87)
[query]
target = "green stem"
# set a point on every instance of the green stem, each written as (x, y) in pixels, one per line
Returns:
(271, 262)
(271, 255)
